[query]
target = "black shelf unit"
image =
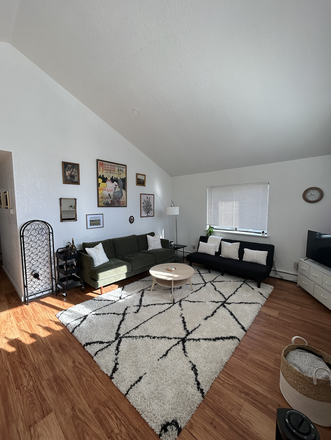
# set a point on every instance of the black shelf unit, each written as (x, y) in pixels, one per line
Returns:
(68, 270)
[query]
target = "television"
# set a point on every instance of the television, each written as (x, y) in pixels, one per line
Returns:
(319, 247)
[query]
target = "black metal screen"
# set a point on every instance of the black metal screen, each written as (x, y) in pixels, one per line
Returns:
(38, 261)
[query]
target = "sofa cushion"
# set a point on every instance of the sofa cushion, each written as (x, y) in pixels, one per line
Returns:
(125, 246)
(244, 269)
(142, 241)
(161, 254)
(230, 250)
(213, 239)
(255, 246)
(139, 260)
(207, 248)
(107, 246)
(165, 243)
(98, 254)
(109, 269)
(154, 242)
(259, 257)
(212, 261)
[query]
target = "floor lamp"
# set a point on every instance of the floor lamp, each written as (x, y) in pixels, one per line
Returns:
(173, 210)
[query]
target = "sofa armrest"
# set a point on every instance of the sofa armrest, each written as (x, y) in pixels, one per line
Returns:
(165, 243)
(86, 264)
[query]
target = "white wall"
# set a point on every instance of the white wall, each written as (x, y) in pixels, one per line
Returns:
(289, 215)
(10, 246)
(43, 125)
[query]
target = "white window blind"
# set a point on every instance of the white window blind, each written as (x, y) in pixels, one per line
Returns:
(239, 207)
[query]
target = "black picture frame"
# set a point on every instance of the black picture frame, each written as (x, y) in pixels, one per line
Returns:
(147, 205)
(70, 173)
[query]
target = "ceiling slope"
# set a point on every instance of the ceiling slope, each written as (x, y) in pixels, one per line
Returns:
(218, 84)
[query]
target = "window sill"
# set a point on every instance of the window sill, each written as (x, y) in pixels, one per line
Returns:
(225, 231)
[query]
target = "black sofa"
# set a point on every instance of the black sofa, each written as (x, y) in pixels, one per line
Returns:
(243, 269)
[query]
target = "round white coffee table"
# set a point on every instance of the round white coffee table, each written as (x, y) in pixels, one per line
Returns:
(171, 278)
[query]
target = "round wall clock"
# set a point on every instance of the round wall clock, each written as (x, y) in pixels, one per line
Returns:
(131, 219)
(312, 194)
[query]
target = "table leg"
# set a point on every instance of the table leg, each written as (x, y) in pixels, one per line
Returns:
(153, 283)
(172, 290)
(190, 283)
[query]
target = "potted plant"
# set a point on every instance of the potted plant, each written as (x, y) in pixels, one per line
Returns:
(210, 231)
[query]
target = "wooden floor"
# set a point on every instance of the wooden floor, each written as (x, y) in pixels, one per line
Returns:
(50, 388)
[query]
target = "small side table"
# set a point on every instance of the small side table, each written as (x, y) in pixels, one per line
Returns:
(177, 247)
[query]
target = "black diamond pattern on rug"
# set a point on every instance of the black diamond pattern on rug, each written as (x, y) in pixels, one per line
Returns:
(162, 356)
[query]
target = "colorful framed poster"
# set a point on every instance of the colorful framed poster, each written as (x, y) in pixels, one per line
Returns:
(112, 184)
(94, 221)
(70, 173)
(146, 205)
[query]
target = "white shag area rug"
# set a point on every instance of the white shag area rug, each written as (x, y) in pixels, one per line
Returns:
(162, 356)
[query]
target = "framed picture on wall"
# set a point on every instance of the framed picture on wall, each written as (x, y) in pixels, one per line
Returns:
(140, 179)
(94, 221)
(1, 200)
(70, 173)
(146, 205)
(111, 184)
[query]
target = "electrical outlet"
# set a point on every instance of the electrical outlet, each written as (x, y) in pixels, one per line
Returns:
(193, 246)
(296, 265)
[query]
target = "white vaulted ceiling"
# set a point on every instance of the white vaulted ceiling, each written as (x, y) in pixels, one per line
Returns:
(219, 84)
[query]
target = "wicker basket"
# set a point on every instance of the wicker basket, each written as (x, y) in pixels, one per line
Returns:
(309, 395)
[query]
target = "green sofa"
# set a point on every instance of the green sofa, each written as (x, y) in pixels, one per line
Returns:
(127, 256)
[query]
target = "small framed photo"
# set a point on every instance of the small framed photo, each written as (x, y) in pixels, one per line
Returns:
(5, 201)
(94, 221)
(140, 179)
(70, 173)
(146, 205)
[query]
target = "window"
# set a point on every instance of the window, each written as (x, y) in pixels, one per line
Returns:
(241, 208)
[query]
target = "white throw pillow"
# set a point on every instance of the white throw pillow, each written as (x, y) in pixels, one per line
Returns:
(154, 242)
(213, 239)
(259, 257)
(207, 248)
(230, 250)
(98, 254)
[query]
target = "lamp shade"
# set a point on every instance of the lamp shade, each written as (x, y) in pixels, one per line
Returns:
(172, 210)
